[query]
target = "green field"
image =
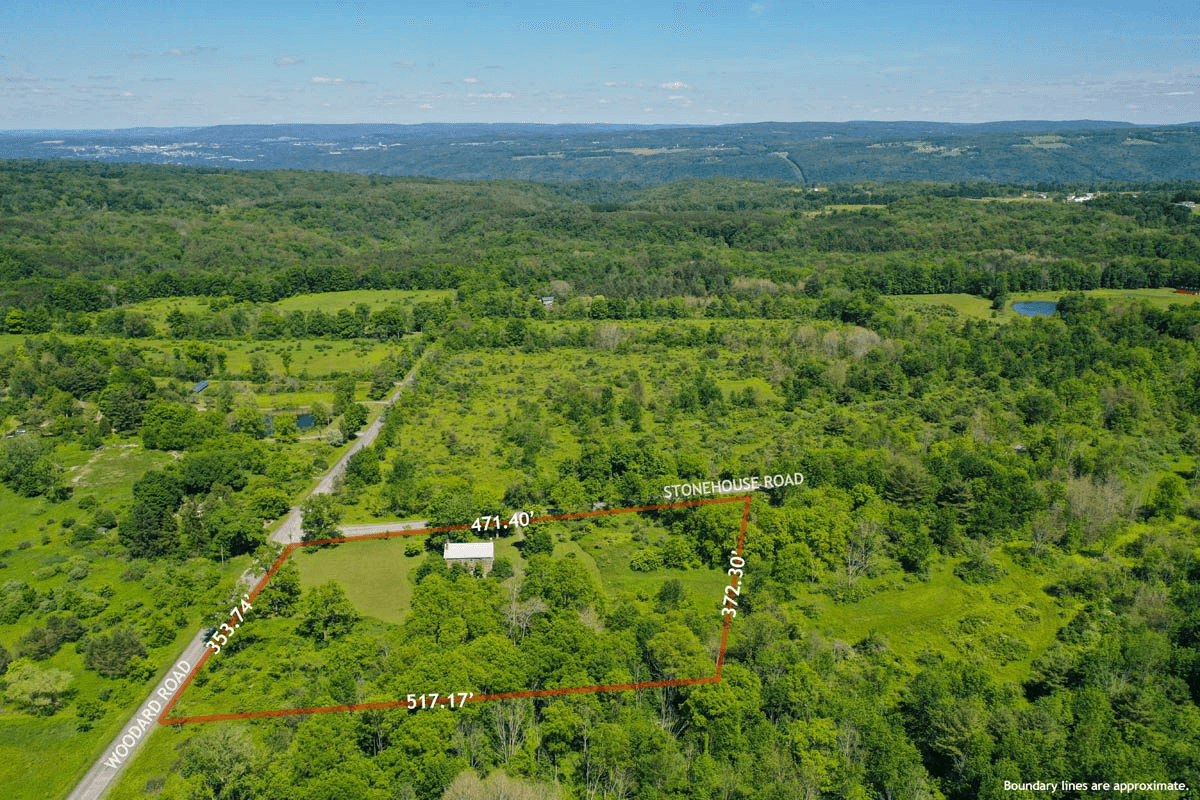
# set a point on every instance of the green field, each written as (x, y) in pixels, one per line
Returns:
(966, 305)
(332, 302)
(1158, 298)
(313, 357)
(969, 305)
(1012, 620)
(376, 574)
(329, 302)
(308, 359)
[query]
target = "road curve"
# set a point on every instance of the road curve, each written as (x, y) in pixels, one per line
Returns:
(289, 531)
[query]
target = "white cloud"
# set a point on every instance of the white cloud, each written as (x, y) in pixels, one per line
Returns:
(1176, 94)
(288, 61)
(176, 52)
(757, 8)
(674, 85)
(470, 80)
(495, 95)
(326, 80)
(677, 97)
(404, 64)
(426, 105)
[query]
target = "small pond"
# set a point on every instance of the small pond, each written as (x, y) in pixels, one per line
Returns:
(1035, 308)
(303, 422)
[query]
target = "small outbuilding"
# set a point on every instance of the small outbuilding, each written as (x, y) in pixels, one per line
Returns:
(470, 555)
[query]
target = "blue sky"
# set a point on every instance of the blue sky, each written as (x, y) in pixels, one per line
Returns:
(135, 63)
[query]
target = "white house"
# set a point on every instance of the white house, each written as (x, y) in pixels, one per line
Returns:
(470, 554)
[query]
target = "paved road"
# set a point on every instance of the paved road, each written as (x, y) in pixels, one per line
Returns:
(289, 530)
(102, 774)
(383, 527)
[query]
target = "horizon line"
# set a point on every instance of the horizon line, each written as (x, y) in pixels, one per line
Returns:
(1115, 123)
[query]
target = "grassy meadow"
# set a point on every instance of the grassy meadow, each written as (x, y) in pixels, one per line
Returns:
(974, 307)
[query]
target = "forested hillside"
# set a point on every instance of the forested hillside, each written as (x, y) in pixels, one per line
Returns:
(80, 238)
(989, 572)
(1021, 151)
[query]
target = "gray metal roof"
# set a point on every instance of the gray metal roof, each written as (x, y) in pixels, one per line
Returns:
(470, 550)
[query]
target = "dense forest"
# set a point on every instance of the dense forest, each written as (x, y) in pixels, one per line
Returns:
(82, 237)
(989, 573)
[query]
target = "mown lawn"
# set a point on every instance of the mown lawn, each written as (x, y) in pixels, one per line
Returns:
(375, 573)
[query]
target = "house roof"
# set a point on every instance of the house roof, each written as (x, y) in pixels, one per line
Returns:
(470, 550)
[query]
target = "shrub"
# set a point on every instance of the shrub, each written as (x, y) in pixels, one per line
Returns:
(646, 561)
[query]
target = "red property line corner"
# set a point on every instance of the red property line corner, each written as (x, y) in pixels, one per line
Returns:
(163, 719)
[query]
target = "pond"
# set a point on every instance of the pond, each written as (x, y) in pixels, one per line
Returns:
(1035, 308)
(303, 422)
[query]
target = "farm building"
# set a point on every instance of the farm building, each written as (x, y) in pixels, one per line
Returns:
(470, 555)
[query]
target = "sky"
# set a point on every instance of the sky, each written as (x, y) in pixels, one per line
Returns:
(86, 65)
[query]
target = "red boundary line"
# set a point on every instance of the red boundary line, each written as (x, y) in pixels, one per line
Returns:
(287, 551)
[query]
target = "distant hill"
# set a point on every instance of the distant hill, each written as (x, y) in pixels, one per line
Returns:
(1021, 151)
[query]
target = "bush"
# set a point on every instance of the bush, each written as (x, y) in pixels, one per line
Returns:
(39, 692)
(646, 561)
(82, 534)
(978, 568)
(16, 598)
(538, 541)
(88, 711)
(671, 595)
